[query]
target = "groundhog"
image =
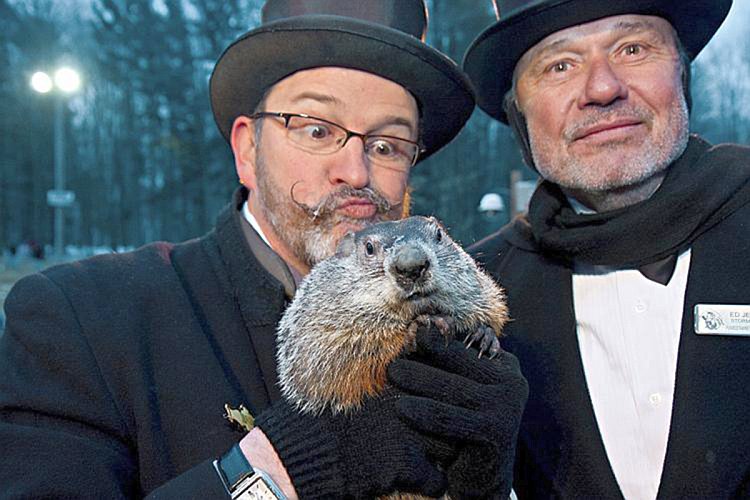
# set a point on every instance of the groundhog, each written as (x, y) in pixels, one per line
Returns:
(358, 310)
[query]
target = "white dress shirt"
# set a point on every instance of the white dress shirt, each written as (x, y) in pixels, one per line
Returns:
(249, 217)
(628, 331)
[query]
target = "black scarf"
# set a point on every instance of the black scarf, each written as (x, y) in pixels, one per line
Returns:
(701, 188)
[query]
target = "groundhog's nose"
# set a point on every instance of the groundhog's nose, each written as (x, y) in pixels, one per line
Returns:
(410, 263)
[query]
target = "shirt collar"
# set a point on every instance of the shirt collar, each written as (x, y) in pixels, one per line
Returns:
(579, 207)
(253, 222)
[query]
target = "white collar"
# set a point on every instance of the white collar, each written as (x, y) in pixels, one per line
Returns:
(249, 217)
(579, 207)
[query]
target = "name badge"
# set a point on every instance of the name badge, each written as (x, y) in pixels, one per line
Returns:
(722, 319)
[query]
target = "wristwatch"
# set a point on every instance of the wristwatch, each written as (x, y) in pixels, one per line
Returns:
(242, 481)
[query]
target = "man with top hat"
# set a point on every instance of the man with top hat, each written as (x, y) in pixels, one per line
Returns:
(116, 372)
(627, 276)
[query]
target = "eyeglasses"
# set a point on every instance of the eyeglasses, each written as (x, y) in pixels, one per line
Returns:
(322, 137)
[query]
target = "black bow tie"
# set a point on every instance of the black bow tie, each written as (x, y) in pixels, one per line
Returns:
(660, 271)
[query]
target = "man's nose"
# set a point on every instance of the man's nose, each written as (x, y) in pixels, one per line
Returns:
(350, 165)
(603, 84)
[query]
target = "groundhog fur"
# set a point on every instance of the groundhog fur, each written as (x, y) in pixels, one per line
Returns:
(358, 310)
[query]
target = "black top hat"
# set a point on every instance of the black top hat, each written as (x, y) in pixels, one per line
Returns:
(383, 37)
(492, 57)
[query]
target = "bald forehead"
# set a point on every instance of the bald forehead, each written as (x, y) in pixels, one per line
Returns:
(621, 25)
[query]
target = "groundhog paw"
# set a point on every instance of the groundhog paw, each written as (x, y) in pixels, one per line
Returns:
(444, 324)
(485, 339)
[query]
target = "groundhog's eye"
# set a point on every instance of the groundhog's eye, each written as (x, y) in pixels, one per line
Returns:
(439, 235)
(369, 248)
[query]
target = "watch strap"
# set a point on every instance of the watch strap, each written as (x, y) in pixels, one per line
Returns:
(234, 467)
(239, 476)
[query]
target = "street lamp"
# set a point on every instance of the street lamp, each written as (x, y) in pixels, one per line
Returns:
(67, 81)
(41, 82)
(491, 204)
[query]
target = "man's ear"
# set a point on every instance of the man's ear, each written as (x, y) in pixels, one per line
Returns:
(242, 139)
(517, 123)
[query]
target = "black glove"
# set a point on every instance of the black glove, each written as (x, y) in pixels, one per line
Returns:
(360, 454)
(474, 404)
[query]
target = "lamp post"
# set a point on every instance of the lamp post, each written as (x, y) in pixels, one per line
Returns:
(67, 81)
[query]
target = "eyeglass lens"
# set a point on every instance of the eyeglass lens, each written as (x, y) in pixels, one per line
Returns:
(321, 137)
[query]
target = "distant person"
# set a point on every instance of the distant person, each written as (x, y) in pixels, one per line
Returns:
(116, 371)
(628, 277)
(37, 250)
(10, 259)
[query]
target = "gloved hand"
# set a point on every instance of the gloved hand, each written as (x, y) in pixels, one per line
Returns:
(473, 404)
(360, 454)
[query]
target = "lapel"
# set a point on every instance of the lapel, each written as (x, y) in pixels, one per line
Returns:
(559, 430)
(239, 305)
(707, 453)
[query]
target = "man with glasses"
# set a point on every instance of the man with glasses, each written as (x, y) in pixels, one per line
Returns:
(116, 372)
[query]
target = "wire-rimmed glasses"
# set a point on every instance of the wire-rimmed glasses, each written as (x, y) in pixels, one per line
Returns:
(320, 136)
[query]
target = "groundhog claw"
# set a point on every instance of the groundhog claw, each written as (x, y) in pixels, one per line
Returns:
(443, 324)
(486, 339)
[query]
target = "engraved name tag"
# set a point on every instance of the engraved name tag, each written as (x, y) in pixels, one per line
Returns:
(722, 319)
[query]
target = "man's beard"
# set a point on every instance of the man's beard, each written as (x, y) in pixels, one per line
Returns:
(308, 231)
(587, 175)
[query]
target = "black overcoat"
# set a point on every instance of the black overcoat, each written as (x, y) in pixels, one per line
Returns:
(114, 371)
(560, 452)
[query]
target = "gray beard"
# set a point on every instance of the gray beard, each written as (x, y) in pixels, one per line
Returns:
(310, 237)
(656, 155)
(309, 242)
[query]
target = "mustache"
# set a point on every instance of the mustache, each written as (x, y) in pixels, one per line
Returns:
(328, 205)
(617, 111)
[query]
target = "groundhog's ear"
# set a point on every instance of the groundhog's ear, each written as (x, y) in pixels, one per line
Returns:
(433, 220)
(346, 246)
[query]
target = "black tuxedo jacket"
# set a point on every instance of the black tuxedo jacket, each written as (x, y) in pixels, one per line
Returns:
(560, 451)
(114, 371)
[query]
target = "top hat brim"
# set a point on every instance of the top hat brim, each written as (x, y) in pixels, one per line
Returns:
(492, 57)
(270, 53)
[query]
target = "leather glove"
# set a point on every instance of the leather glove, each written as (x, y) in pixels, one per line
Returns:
(474, 404)
(363, 453)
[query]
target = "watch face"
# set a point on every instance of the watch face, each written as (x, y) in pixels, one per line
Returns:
(260, 491)
(254, 488)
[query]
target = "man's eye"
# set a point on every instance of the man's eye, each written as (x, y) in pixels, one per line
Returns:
(317, 131)
(633, 50)
(560, 67)
(383, 148)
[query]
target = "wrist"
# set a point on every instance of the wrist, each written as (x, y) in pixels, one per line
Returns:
(307, 450)
(260, 453)
(242, 481)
